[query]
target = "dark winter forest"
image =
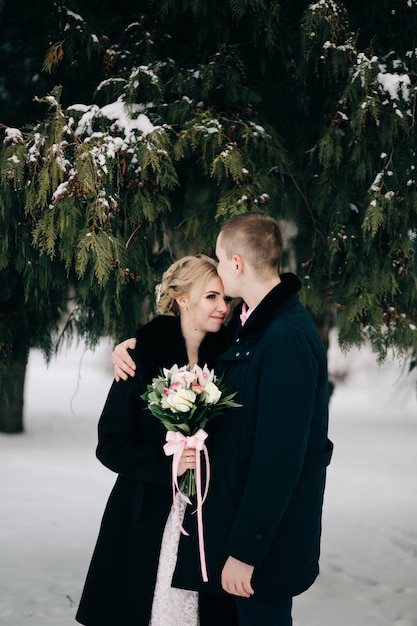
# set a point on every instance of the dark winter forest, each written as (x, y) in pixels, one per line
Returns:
(130, 132)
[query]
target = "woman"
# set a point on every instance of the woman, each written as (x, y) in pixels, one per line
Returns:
(120, 584)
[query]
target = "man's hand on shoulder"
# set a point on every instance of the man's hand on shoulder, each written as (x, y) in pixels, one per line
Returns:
(236, 578)
(123, 364)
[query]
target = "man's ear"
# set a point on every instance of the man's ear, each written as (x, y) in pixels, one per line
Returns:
(238, 264)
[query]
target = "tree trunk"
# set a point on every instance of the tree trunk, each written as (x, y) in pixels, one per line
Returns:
(11, 408)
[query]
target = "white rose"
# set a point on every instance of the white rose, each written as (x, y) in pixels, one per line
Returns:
(181, 401)
(164, 403)
(211, 393)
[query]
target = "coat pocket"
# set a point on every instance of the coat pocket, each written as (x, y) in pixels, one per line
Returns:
(318, 461)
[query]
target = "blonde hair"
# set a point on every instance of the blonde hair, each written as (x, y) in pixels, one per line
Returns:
(257, 238)
(178, 280)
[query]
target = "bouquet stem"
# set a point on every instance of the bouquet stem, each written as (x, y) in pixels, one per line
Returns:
(187, 483)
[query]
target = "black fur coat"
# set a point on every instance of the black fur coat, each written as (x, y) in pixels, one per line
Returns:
(121, 578)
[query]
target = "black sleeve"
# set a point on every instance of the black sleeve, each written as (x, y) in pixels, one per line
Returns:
(130, 440)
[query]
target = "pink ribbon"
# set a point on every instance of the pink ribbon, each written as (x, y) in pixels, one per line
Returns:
(175, 445)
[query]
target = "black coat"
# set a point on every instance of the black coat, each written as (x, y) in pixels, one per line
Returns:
(268, 458)
(121, 578)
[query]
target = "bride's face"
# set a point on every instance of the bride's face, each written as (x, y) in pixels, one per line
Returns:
(210, 310)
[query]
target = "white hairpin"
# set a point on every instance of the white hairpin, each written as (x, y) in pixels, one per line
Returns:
(158, 291)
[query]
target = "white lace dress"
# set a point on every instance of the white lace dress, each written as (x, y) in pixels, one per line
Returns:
(172, 606)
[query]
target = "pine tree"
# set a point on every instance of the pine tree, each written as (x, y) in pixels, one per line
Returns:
(164, 120)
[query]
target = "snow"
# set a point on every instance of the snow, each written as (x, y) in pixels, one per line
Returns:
(13, 135)
(53, 492)
(395, 84)
(60, 191)
(118, 112)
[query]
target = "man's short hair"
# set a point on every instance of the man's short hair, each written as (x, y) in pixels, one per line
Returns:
(257, 238)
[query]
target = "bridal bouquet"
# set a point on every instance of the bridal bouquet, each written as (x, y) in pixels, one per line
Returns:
(184, 399)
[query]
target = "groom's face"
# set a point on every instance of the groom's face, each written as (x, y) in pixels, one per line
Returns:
(225, 269)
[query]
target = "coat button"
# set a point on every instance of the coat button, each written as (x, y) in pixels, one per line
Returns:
(247, 353)
(237, 354)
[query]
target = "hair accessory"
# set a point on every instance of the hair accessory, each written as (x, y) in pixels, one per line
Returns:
(158, 291)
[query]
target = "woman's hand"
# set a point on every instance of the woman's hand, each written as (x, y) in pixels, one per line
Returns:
(187, 460)
(123, 364)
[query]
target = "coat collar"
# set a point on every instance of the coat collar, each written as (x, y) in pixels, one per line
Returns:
(278, 299)
(160, 344)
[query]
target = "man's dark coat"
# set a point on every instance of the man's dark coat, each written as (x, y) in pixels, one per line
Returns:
(120, 582)
(268, 458)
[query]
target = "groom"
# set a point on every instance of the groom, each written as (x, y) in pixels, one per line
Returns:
(262, 517)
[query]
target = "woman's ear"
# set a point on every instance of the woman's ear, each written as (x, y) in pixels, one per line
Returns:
(183, 303)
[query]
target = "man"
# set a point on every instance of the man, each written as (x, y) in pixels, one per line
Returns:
(263, 513)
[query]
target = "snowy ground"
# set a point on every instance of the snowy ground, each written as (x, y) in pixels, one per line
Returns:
(53, 491)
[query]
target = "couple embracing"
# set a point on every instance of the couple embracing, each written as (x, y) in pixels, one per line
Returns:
(268, 457)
